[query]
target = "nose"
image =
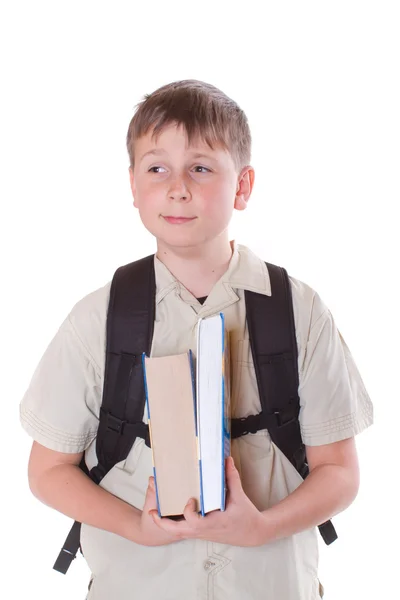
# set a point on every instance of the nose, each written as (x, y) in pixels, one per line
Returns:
(179, 190)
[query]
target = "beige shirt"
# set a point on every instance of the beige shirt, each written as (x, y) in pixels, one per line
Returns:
(61, 407)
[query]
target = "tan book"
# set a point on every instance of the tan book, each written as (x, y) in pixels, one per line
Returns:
(189, 421)
(170, 398)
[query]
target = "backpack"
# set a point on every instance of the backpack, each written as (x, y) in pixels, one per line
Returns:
(130, 324)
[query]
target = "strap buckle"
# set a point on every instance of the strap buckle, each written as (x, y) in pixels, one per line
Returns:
(244, 425)
(252, 423)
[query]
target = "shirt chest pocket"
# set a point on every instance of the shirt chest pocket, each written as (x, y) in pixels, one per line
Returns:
(129, 479)
(276, 372)
(139, 457)
(245, 396)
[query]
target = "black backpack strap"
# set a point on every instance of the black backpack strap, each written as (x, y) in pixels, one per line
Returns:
(272, 334)
(130, 325)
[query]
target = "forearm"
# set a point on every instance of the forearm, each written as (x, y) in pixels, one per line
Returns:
(327, 490)
(67, 489)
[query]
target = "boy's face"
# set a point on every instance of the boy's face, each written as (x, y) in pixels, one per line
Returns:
(183, 199)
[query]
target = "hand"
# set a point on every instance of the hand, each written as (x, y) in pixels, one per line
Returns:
(240, 524)
(149, 533)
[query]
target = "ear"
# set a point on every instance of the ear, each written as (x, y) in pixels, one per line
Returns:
(244, 187)
(133, 186)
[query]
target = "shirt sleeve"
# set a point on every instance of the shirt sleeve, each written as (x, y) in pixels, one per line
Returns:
(334, 404)
(61, 405)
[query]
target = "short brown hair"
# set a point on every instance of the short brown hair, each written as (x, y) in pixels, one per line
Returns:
(202, 109)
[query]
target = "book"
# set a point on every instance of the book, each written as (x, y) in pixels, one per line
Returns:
(171, 409)
(188, 409)
(213, 409)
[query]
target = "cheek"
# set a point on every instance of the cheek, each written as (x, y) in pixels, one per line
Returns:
(148, 213)
(147, 201)
(219, 204)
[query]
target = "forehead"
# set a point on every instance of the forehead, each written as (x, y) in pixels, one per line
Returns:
(174, 138)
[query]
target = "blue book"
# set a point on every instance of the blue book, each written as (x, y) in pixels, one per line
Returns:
(213, 410)
(188, 406)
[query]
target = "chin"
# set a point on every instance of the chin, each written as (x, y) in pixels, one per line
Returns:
(181, 241)
(175, 243)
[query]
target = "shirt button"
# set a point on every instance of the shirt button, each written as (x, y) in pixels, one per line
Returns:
(209, 564)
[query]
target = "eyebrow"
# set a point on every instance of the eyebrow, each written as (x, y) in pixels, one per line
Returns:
(157, 152)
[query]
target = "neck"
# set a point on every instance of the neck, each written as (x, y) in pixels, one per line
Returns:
(198, 269)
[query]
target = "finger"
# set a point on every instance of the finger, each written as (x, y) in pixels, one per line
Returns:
(190, 513)
(178, 529)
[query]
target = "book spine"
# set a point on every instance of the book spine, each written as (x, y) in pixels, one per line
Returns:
(150, 432)
(226, 438)
(195, 408)
(197, 421)
(223, 486)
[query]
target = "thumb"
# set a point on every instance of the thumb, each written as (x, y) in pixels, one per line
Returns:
(150, 493)
(151, 485)
(232, 476)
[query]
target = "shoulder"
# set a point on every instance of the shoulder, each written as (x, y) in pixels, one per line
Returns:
(93, 306)
(310, 314)
(253, 273)
(88, 319)
(308, 306)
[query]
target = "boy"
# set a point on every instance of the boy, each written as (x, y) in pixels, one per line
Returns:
(189, 150)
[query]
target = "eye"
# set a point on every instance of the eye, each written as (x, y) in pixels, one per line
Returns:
(205, 168)
(152, 169)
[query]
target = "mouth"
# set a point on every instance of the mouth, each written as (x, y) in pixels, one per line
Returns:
(178, 220)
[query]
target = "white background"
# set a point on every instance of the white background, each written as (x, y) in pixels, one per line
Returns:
(319, 82)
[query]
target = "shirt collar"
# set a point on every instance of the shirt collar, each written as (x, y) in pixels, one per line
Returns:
(245, 271)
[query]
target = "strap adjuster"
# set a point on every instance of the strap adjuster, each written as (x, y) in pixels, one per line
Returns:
(291, 416)
(68, 552)
(115, 424)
